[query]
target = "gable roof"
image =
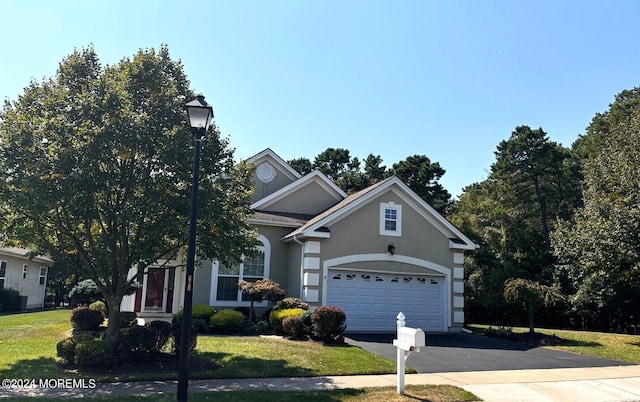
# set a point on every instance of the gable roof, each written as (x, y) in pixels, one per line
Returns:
(24, 253)
(316, 227)
(314, 177)
(287, 170)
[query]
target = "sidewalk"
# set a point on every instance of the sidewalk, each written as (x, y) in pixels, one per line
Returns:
(616, 383)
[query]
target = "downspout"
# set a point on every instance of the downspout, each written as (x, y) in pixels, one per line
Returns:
(295, 239)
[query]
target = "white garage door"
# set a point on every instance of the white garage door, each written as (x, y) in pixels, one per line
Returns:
(372, 301)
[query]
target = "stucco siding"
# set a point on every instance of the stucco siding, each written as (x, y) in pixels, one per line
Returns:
(359, 233)
(294, 277)
(202, 283)
(264, 189)
(279, 253)
(310, 200)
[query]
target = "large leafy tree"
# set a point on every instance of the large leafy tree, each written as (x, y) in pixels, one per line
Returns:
(96, 168)
(599, 250)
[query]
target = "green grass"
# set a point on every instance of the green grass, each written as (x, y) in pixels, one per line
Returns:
(28, 350)
(28, 343)
(610, 346)
(248, 357)
(433, 393)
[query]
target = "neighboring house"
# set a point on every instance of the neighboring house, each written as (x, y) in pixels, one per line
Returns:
(26, 275)
(374, 253)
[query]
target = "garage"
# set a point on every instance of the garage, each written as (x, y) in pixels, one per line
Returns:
(372, 300)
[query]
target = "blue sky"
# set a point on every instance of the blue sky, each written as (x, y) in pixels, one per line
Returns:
(447, 79)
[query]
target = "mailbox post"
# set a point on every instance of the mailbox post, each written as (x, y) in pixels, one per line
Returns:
(409, 340)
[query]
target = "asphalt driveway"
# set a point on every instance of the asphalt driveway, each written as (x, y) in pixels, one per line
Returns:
(473, 352)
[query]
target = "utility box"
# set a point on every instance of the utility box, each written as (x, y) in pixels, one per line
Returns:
(410, 339)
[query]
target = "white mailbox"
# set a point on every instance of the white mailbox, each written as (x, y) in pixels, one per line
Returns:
(410, 339)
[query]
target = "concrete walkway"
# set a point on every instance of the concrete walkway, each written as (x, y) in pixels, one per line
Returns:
(615, 383)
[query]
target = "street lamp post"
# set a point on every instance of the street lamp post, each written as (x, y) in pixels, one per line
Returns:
(200, 116)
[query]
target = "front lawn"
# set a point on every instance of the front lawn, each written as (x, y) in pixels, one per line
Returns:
(609, 346)
(28, 350)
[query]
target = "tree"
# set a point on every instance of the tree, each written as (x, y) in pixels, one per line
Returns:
(301, 165)
(374, 169)
(423, 177)
(625, 104)
(262, 289)
(532, 294)
(599, 249)
(334, 162)
(533, 182)
(61, 279)
(96, 167)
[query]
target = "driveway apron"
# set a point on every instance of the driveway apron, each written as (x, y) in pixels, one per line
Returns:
(461, 352)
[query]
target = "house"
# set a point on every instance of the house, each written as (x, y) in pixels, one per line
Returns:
(26, 275)
(374, 253)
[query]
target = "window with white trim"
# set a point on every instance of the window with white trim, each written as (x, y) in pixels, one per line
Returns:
(249, 269)
(24, 271)
(43, 276)
(3, 273)
(390, 219)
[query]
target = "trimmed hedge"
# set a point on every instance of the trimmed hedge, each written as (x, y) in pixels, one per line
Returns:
(227, 321)
(85, 319)
(276, 317)
(93, 353)
(328, 322)
(291, 302)
(9, 300)
(198, 312)
(294, 326)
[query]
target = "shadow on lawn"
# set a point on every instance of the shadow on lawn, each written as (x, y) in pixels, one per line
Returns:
(202, 366)
(43, 367)
(242, 367)
(572, 342)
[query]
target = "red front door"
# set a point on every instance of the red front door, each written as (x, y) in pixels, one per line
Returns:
(154, 299)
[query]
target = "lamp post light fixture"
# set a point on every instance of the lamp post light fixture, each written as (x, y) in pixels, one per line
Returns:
(200, 116)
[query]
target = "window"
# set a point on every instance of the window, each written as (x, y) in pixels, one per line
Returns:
(43, 276)
(3, 273)
(24, 271)
(391, 219)
(249, 270)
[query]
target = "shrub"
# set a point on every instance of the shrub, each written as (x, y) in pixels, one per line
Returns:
(294, 326)
(85, 292)
(198, 312)
(176, 334)
(328, 323)
(276, 317)
(306, 321)
(262, 326)
(66, 348)
(227, 321)
(85, 319)
(137, 342)
(501, 332)
(99, 306)
(93, 353)
(291, 302)
(161, 331)
(128, 319)
(9, 300)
